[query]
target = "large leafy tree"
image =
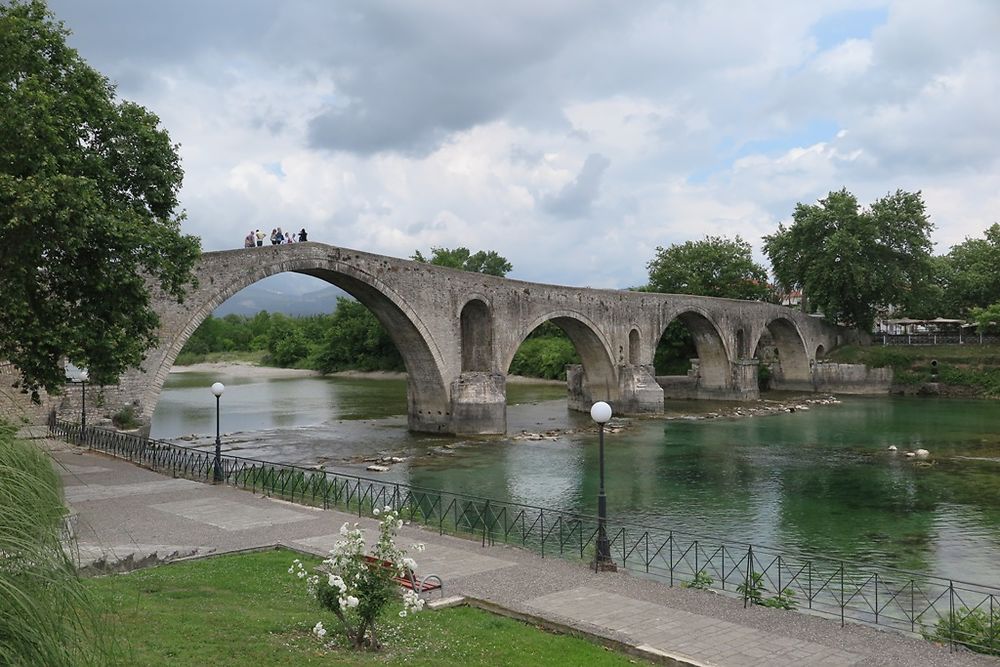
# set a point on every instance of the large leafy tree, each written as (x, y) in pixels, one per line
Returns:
(463, 259)
(971, 273)
(850, 261)
(714, 266)
(88, 199)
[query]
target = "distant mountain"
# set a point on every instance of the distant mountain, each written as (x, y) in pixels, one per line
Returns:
(258, 297)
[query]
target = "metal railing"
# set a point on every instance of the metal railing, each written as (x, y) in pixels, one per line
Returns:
(946, 610)
(936, 339)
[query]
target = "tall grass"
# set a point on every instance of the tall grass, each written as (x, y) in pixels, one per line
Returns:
(46, 616)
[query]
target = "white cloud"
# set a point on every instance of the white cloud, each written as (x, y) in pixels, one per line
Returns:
(571, 137)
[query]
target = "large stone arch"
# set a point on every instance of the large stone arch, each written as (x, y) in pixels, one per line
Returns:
(714, 358)
(598, 381)
(790, 369)
(427, 394)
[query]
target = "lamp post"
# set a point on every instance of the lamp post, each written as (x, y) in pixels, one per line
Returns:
(217, 389)
(84, 376)
(600, 412)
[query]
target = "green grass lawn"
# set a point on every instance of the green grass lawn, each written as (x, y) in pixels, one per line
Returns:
(247, 610)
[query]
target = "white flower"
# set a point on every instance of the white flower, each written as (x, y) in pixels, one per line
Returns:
(336, 582)
(399, 524)
(342, 602)
(410, 564)
(300, 574)
(417, 547)
(376, 511)
(388, 508)
(344, 529)
(291, 569)
(319, 630)
(402, 614)
(352, 601)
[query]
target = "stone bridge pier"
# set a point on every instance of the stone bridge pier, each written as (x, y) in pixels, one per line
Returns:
(458, 333)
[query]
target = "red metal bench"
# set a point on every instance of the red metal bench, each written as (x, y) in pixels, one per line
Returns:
(409, 579)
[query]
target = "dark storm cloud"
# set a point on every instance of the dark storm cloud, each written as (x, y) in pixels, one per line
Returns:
(576, 197)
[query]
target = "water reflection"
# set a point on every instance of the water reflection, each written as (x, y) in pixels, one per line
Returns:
(820, 481)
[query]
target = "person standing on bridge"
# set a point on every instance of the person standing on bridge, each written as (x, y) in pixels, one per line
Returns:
(303, 236)
(279, 237)
(260, 238)
(250, 240)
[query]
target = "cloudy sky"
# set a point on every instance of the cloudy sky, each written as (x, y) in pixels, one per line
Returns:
(573, 137)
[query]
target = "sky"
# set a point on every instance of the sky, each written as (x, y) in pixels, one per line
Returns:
(573, 137)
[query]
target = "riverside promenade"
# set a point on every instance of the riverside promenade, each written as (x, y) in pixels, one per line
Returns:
(127, 513)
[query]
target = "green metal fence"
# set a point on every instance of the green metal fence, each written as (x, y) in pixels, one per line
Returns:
(957, 612)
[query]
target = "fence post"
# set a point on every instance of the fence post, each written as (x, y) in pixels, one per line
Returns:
(746, 580)
(647, 551)
(951, 616)
(876, 598)
(810, 578)
(842, 602)
(670, 539)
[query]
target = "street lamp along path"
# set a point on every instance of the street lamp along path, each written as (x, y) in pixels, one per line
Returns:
(600, 412)
(217, 390)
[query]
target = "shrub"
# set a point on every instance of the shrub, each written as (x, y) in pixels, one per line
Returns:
(701, 581)
(753, 591)
(975, 629)
(126, 418)
(356, 590)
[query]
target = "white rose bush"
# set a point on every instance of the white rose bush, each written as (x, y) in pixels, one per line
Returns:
(356, 589)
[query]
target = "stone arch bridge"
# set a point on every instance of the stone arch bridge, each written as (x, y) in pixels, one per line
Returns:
(458, 333)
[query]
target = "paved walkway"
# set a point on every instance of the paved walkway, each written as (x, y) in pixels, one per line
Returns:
(126, 512)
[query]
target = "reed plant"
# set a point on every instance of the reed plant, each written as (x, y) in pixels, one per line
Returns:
(46, 614)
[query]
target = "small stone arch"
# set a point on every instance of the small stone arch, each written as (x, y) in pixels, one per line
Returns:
(713, 358)
(634, 347)
(820, 352)
(790, 364)
(476, 323)
(598, 362)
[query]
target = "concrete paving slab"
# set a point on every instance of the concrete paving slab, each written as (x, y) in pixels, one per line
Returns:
(229, 514)
(689, 636)
(80, 493)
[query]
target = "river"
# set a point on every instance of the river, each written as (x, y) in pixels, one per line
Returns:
(820, 480)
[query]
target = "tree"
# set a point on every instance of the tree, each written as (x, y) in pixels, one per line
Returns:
(987, 319)
(715, 266)
(973, 273)
(461, 258)
(851, 262)
(88, 192)
(356, 340)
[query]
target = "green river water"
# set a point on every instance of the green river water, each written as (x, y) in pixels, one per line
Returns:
(821, 481)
